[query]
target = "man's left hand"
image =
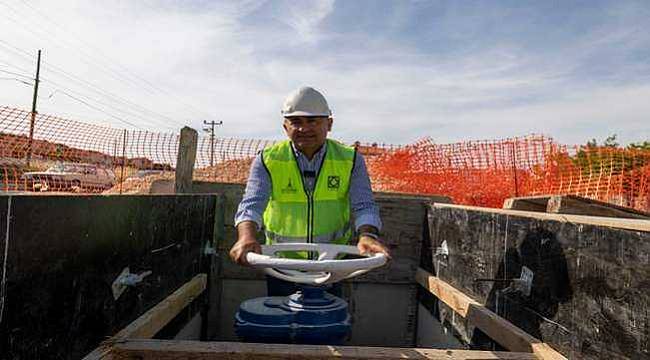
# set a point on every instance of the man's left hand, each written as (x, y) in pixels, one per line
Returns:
(368, 245)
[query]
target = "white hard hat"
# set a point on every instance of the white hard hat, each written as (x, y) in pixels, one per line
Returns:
(306, 101)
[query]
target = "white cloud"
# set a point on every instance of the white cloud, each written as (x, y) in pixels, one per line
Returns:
(235, 61)
(304, 17)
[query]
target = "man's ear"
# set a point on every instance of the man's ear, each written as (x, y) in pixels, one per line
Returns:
(329, 123)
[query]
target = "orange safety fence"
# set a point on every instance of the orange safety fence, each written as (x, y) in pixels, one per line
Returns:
(485, 173)
(72, 156)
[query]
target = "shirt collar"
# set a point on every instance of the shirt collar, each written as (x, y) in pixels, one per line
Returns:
(318, 153)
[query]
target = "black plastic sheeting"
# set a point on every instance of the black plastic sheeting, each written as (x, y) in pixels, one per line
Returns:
(591, 286)
(64, 252)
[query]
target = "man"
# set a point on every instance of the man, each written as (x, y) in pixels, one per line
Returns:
(304, 189)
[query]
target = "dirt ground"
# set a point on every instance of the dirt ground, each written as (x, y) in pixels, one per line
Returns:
(231, 171)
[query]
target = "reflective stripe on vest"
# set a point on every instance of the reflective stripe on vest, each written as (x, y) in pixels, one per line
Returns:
(296, 215)
(320, 239)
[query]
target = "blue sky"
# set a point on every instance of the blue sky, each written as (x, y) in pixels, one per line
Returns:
(393, 71)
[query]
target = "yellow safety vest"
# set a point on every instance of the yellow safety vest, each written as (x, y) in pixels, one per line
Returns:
(294, 214)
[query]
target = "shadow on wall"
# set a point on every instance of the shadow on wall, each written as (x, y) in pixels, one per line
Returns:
(541, 252)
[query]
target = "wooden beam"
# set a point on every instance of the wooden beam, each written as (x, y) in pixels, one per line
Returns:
(149, 323)
(573, 205)
(569, 204)
(185, 160)
(201, 350)
(630, 224)
(409, 196)
(497, 328)
(527, 203)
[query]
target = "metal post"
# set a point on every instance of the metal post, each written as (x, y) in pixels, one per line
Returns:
(514, 167)
(32, 120)
(123, 160)
(211, 131)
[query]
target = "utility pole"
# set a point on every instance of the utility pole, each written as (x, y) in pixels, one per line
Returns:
(33, 113)
(211, 131)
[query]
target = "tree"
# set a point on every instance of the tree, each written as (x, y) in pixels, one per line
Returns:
(645, 145)
(610, 157)
(610, 141)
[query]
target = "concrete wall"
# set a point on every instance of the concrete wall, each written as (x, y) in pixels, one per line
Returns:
(591, 285)
(64, 252)
(431, 334)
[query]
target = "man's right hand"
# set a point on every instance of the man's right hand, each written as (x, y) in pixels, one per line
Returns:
(246, 242)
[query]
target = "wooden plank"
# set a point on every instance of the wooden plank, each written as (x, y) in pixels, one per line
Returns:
(577, 268)
(527, 203)
(197, 350)
(215, 280)
(630, 224)
(149, 323)
(160, 315)
(185, 160)
(573, 205)
(496, 327)
(408, 196)
(569, 204)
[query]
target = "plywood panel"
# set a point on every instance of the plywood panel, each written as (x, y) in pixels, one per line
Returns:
(590, 288)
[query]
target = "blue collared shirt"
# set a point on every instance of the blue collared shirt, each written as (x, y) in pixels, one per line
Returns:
(258, 190)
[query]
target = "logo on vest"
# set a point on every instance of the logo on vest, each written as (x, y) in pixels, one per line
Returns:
(333, 182)
(289, 189)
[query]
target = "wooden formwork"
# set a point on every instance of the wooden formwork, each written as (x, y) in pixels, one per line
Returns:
(574, 205)
(134, 341)
(588, 294)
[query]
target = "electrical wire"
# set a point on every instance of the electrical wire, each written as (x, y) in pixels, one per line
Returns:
(15, 74)
(114, 63)
(89, 85)
(62, 89)
(20, 81)
(116, 99)
(5, 63)
(100, 110)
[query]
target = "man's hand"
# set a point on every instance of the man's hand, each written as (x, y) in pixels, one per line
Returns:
(368, 245)
(246, 243)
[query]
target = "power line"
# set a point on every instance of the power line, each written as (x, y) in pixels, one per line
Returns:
(123, 109)
(20, 81)
(89, 85)
(16, 74)
(100, 110)
(117, 99)
(63, 45)
(66, 91)
(136, 107)
(142, 80)
(86, 102)
(5, 63)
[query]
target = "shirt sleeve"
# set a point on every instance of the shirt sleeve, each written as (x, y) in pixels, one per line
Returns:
(363, 206)
(256, 195)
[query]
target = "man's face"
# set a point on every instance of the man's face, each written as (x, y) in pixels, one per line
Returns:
(306, 132)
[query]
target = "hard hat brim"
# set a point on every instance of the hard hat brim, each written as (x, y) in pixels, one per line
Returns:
(305, 113)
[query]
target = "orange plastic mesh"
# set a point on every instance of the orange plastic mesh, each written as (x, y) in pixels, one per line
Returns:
(481, 173)
(485, 173)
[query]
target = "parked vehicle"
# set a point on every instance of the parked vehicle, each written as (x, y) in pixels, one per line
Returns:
(141, 174)
(71, 177)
